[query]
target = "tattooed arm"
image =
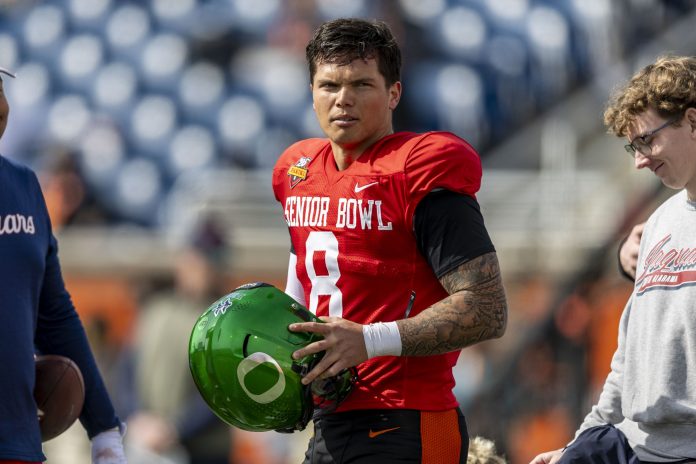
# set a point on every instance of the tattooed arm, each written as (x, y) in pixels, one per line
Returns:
(474, 311)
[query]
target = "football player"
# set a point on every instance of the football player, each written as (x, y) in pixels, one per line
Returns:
(37, 314)
(389, 248)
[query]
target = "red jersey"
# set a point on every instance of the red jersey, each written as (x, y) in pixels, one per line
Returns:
(357, 257)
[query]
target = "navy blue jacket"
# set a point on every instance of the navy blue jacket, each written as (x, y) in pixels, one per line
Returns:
(36, 315)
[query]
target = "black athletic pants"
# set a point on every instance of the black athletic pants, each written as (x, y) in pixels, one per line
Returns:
(389, 437)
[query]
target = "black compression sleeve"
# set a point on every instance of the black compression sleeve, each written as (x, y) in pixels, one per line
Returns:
(450, 231)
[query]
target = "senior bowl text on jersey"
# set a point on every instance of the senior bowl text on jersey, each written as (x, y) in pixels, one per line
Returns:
(350, 213)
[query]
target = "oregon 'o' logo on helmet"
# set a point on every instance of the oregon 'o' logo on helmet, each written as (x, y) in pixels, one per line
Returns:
(240, 355)
(248, 364)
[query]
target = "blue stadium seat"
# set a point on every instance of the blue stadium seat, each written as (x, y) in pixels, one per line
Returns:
(80, 60)
(241, 121)
(127, 29)
(101, 152)
(174, 15)
(549, 41)
(254, 17)
(276, 75)
(506, 14)
(43, 34)
(447, 96)
(9, 51)
(31, 88)
(507, 75)
(68, 117)
(593, 30)
(89, 15)
(138, 190)
(191, 148)
(331, 9)
(422, 12)
(29, 97)
(269, 146)
(461, 32)
(115, 91)
(460, 100)
(153, 122)
(162, 61)
(202, 89)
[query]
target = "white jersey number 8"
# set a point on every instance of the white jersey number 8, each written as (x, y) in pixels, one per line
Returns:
(324, 284)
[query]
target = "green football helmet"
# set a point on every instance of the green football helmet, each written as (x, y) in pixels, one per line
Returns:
(240, 355)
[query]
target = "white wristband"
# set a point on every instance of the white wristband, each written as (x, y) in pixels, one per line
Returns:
(382, 339)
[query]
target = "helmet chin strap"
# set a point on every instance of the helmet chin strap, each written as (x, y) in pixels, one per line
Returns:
(324, 394)
(331, 392)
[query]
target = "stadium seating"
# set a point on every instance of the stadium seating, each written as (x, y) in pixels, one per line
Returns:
(223, 82)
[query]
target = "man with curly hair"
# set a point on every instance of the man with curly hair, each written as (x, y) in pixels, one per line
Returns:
(647, 409)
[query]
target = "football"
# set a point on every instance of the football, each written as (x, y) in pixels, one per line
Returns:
(59, 393)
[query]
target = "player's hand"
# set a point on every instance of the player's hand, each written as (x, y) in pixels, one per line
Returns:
(628, 254)
(107, 448)
(549, 457)
(343, 342)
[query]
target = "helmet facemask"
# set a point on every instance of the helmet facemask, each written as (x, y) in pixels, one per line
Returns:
(322, 394)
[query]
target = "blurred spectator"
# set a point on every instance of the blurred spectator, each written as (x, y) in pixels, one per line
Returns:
(268, 447)
(171, 423)
(63, 187)
(72, 446)
(69, 199)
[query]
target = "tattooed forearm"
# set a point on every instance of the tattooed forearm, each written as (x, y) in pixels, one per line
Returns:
(475, 310)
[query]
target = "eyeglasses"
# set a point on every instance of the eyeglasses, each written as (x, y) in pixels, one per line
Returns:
(642, 143)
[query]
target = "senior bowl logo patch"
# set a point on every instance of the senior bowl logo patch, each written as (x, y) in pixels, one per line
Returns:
(298, 171)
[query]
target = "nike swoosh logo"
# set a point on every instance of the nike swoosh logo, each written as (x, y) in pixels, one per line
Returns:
(377, 433)
(360, 189)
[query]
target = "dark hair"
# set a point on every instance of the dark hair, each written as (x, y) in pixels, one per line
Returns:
(341, 41)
